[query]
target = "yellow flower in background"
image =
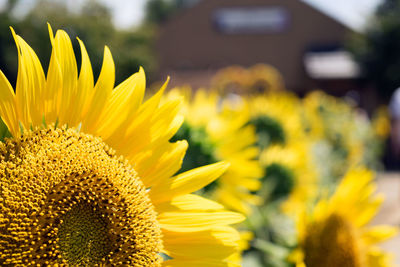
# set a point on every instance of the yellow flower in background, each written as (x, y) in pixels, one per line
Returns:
(264, 78)
(336, 232)
(381, 122)
(313, 105)
(352, 138)
(295, 158)
(335, 120)
(259, 78)
(217, 130)
(287, 148)
(232, 79)
(279, 114)
(88, 176)
(327, 115)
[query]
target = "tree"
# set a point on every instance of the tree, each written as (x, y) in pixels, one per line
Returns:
(92, 24)
(378, 49)
(158, 11)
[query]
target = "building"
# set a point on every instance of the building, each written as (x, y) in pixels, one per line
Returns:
(303, 43)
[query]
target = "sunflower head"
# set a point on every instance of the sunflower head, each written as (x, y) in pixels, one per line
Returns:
(330, 243)
(336, 231)
(67, 198)
(282, 179)
(269, 131)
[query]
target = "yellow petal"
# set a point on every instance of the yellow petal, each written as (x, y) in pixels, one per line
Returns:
(125, 100)
(187, 182)
(136, 122)
(217, 243)
(53, 89)
(378, 257)
(195, 263)
(156, 166)
(85, 87)
(189, 202)
(197, 221)
(65, 55)
(225, 235)
(101, 94)
(30, 84)
(8, 109)
(376, 234)
(200, 252)
(165, 121)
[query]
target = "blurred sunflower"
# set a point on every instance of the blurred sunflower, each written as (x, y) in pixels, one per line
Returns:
(336, 121)
(87, 177)
(292, 170)
(381, 122)
(336, 232)
(277, 118)
(264, 78)
(343, 134)
(286, 154)
(257, 79)
(217, 130)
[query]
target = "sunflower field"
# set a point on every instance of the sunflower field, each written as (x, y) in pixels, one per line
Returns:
(244, 173)
(301, 170)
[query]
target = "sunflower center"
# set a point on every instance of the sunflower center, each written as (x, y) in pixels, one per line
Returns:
(331, 243)
(84, 235)
(66, 198)
(269, 131)
(281, 178)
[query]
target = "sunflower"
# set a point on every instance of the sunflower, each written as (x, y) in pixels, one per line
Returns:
(335, 232)
(87, 177)
(216, 130)
(286, 153)
(277, 115)
(336, 124)
(291, 167)
(381, 123)
(256, 79)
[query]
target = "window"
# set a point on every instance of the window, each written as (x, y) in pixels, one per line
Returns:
(236, 20)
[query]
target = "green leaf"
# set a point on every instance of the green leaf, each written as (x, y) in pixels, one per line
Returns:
(4, 132)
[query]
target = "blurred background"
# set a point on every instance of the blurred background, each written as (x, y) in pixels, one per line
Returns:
(348, 49)
(310, 42)
(343, 48)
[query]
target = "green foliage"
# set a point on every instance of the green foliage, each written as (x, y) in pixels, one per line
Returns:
(92, 24)
(159, 11)
(274, 237)
(4, 132)
(378, 48)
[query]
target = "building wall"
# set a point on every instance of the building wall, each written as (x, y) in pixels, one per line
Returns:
(190, 42)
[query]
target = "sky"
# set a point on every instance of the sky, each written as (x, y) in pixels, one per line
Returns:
(129, 13)
(354, 13)
(126, 13)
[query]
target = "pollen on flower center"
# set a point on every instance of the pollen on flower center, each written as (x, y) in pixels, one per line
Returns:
(83, 235)
(331, 243)
(67, 199)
